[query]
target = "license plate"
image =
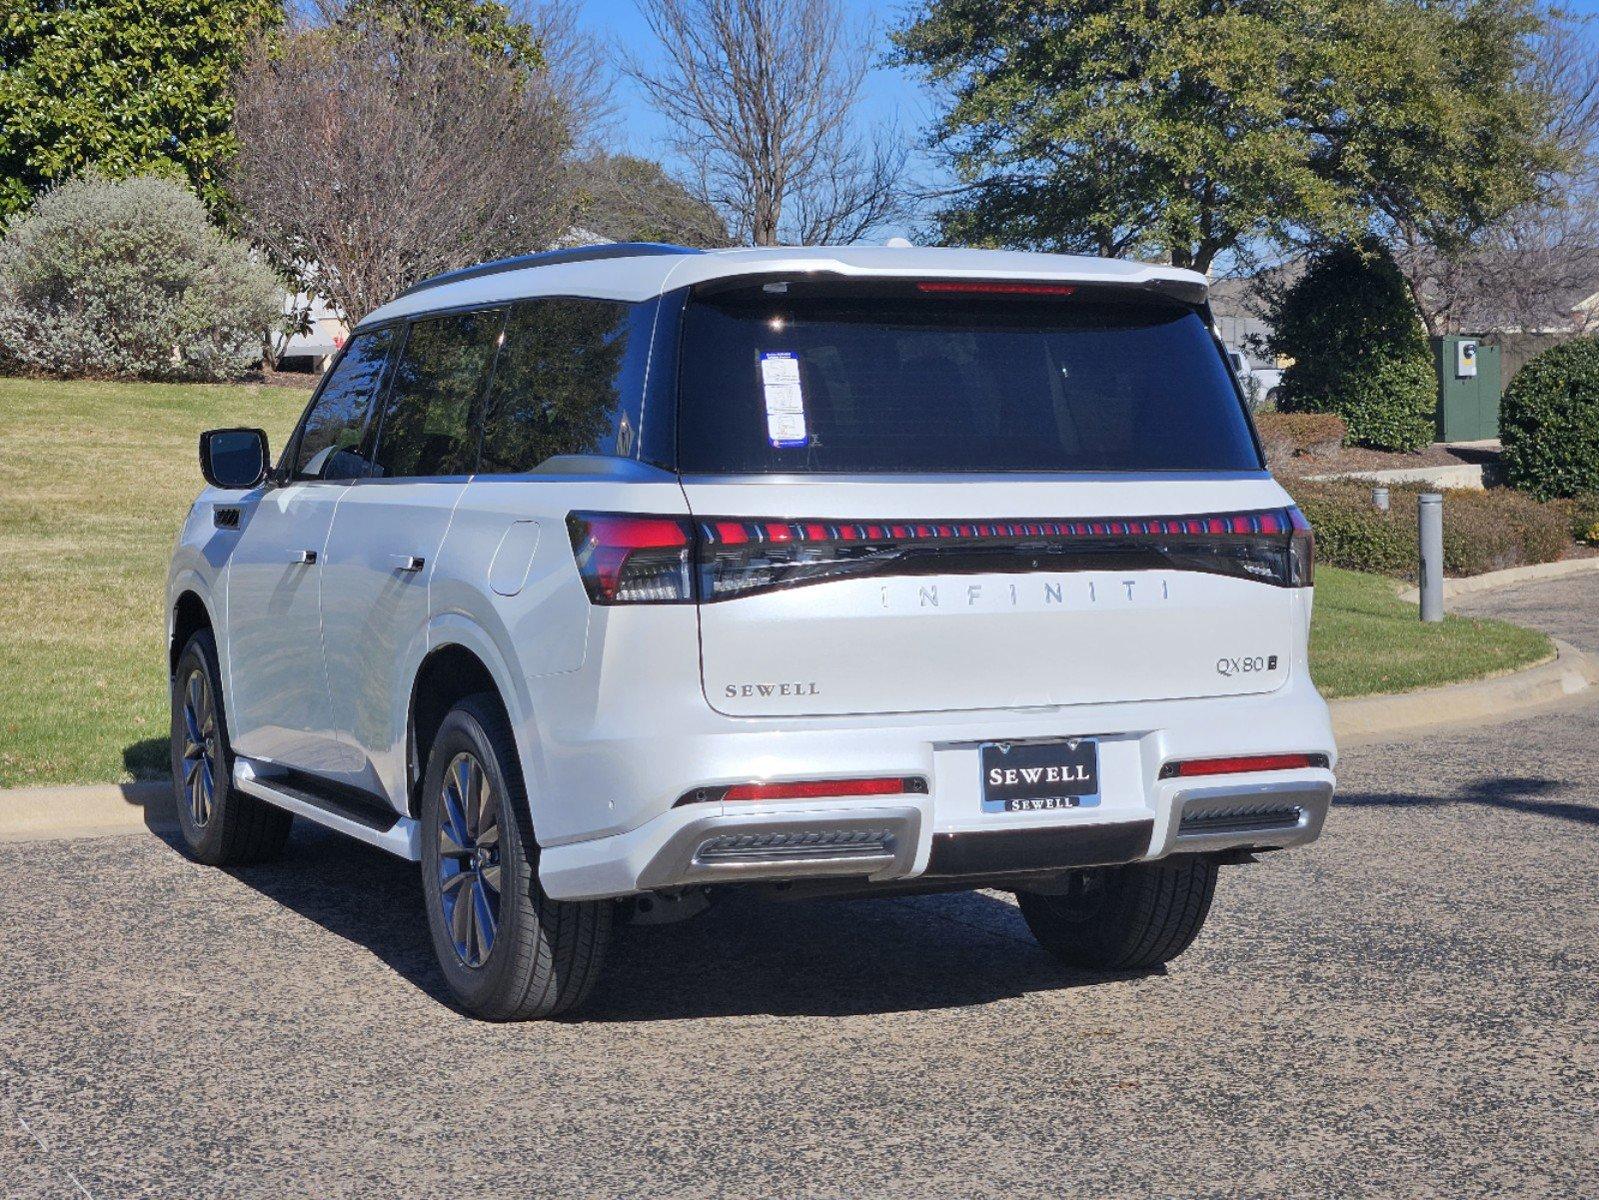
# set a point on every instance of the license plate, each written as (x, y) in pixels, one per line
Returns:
(1038, 776)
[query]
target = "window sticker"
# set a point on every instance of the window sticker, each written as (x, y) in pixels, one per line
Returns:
(785, 402)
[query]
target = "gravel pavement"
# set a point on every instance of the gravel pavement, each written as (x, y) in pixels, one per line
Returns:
(1410, 1007)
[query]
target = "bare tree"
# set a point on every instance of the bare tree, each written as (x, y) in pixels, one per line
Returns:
(1526, 270)
(378, 156)
(763, 96)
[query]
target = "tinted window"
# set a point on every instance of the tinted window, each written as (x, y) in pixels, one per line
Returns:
(331, 437)
(864, 378)
(567, 382)
(427, 422)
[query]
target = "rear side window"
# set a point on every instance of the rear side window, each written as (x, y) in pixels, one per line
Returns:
(330, 439)
(427, 421)
(832, 377)
(568, 381)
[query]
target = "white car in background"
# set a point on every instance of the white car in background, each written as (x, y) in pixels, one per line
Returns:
(602, 580)
(1260, 384)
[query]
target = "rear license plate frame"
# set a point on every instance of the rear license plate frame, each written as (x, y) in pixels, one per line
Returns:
(1067, 775)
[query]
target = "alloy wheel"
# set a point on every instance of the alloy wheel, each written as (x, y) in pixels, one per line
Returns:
(469, 859)
(199, 746)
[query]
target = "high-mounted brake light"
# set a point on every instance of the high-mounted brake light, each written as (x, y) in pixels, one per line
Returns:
(1241, 764)
(626, 559)
(978, 288)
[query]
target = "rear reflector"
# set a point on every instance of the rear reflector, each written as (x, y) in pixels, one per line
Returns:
(810, 789)
(631, 559)
(1242, 764)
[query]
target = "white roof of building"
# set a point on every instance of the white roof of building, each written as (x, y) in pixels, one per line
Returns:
(633, 277)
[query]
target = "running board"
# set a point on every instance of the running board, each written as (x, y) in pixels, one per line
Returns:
(400, 836)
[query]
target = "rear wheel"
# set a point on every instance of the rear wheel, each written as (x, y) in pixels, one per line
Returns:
(1123, 918)
(507, 950)
(221, 826)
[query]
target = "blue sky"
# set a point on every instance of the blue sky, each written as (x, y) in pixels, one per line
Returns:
(891, 95)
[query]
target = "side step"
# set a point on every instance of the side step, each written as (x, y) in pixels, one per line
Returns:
(330, 806)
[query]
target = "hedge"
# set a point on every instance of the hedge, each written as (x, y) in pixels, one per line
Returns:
(1285, 435)
(1483, 531)
(1549, 422)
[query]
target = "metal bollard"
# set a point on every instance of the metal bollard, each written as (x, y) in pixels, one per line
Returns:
(1430, 528)
(1379, 498)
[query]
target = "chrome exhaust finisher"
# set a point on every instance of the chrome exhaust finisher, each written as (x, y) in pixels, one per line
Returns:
(1259, 815)
(874, 843)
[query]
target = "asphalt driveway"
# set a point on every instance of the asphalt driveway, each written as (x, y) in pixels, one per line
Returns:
(1409, 1007)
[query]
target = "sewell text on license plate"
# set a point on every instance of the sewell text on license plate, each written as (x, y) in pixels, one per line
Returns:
(1038, 776)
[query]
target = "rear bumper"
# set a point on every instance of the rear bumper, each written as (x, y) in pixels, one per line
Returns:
(880, 843)
(943, 837)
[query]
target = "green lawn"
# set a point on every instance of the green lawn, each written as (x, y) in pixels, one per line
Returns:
(1364, 639)
(95, 478)
(94, 481)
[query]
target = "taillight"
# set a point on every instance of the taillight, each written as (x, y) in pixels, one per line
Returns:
(743, 556)
(627, 559)
(1301, 550)
(1241, 764)
(632, 559)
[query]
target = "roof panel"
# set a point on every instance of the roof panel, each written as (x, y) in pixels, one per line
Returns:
(640, 277)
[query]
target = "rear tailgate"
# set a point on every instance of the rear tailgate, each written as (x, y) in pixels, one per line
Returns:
(986, 620)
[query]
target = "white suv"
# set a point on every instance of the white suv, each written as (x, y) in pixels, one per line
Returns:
(598, 580)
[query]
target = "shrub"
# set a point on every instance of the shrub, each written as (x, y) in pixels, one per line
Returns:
(1358, 348)
(1285, 435)
(129, 279)
(1483, 531)
(1583, 515)
(1549, 422)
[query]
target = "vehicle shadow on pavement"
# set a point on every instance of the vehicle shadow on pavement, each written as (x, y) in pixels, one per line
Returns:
(747, 955)
(1523, 795)
(750, 955)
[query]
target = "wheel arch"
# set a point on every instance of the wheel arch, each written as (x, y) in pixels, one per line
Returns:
(460, 661)
(189, 615)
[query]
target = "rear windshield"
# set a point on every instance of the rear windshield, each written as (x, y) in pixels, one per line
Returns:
(830, 377)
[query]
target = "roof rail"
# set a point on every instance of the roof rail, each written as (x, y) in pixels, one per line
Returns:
(550, 258)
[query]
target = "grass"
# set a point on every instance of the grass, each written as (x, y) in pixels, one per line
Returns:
(95, 479)
(1364, 639)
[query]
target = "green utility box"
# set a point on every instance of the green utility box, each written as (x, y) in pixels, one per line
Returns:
(1468, 388)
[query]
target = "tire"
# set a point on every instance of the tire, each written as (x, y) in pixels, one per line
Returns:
(1124, 918)
(532, 956)
(220, 826)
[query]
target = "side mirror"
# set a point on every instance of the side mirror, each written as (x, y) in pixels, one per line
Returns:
(233, 458)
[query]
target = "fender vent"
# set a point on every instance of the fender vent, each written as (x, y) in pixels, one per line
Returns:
(225, 518)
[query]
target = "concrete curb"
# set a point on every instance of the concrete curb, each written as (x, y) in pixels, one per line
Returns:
(1470, 477)
(108, 810)
(98, 810)
(1509, 578)
(1483, 701)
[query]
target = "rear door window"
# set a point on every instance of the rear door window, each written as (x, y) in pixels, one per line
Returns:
(785, 377)
(427, 427)
(568, 381)
(330, 438)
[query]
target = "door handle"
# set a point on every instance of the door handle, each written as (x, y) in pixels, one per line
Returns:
(407, 562)
(303, 558)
